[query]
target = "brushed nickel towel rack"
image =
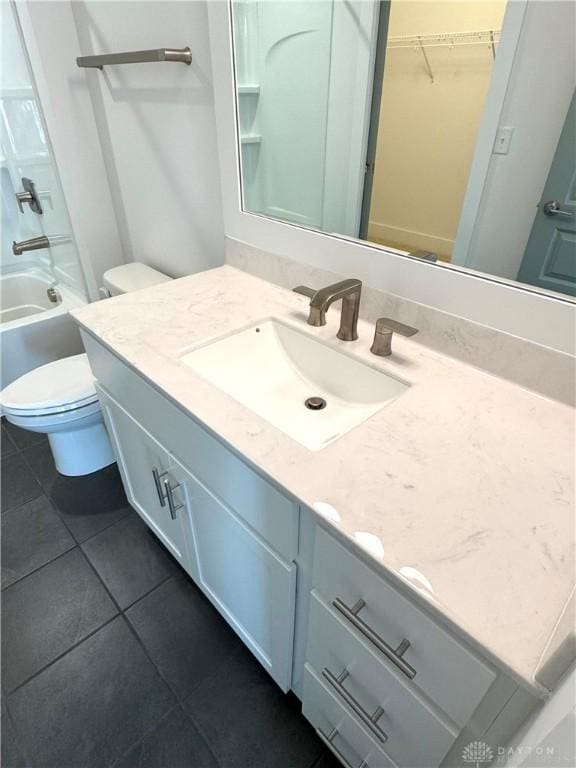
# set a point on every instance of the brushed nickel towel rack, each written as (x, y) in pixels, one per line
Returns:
(182, 55)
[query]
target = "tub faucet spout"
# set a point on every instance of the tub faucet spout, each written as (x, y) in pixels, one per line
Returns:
(38, 243)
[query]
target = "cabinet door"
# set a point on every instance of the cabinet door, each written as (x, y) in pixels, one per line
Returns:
(249, 584)
(148, 477)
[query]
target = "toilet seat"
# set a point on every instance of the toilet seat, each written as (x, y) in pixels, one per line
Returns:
(62, 386)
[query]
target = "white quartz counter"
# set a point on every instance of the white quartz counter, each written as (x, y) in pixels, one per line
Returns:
(463, 487)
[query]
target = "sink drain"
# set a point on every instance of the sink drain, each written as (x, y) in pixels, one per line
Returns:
(315, 403)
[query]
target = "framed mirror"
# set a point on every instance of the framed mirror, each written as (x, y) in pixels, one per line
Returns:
(443, 130)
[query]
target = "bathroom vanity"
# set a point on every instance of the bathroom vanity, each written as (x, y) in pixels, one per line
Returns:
(410, 582)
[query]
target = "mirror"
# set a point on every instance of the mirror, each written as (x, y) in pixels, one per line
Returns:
(439, 129)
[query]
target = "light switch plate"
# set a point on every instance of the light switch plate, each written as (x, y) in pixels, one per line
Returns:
(503, 139)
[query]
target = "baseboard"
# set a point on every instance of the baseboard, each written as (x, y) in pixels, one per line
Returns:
(407, 239)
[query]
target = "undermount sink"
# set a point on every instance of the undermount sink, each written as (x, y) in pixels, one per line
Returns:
(309, 390)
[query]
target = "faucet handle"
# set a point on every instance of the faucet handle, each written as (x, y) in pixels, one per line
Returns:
(385, 328)
(304, 290)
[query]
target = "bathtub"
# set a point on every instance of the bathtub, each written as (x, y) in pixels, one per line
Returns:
(34, 330)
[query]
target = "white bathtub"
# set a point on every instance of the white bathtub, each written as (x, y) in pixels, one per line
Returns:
(33, 330)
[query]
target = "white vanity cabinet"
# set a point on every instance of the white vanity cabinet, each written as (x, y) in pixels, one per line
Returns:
(233, 532)
(383, 683)
(150, 481)
(252, 586)
(382, 679)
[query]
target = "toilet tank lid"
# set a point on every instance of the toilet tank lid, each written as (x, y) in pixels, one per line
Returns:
(132, 277)
(62, 383)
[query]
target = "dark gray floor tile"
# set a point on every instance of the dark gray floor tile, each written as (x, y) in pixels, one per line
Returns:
(129, 559)
(18, 483)
(174, 743)
(11, 756)
(185, 636)
(92, 705)
(23, 438)
(248, 722)
(40, 459)
(327, 760)
(32, 535)
(48, 612)
(6, 444)
(87, 504)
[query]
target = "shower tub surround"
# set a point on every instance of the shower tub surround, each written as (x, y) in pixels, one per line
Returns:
(466, 479)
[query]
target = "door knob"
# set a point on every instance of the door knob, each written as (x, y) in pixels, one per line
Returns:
(552, 208)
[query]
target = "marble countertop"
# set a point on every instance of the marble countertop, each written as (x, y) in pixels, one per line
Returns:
(463, 487)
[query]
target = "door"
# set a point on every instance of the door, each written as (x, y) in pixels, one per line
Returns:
(153, 482)
(550, 256)
(253, 588)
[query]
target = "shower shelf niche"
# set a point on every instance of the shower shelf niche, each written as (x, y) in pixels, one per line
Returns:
(249, 90)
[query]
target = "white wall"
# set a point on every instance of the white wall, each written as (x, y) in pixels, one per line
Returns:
(157, 129)
(537, 99)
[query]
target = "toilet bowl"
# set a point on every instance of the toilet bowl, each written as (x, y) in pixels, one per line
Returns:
(60, 400)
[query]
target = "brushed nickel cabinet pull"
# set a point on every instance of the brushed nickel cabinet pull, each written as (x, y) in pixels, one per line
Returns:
(329, 742)
(156, 475)
(394, 655)
(370, 721)
(171, 503)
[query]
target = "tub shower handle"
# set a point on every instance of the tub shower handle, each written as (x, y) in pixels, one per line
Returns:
(29, 197)
(393, 654)
(370, 721)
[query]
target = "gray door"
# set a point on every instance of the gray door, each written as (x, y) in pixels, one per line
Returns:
(550, 256)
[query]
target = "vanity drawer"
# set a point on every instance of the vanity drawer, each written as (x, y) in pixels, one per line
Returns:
(337, 729)
(433, 663)
(271, 514)
(413, 735)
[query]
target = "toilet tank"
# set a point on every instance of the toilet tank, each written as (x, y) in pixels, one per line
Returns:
(131, 277)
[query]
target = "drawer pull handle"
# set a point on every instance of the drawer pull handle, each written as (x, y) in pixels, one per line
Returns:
(156, 475)
(370, 721)
(395, 655)
(329, 742)
(171, 503)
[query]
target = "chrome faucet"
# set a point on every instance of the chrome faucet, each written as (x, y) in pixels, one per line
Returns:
(38, 243)
(347, 290)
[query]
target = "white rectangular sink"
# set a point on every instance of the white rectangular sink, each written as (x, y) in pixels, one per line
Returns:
(273, 369)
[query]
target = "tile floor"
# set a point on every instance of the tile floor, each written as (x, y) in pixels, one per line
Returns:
(110, 655)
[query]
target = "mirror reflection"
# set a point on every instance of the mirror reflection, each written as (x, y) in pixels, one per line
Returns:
(441, 130)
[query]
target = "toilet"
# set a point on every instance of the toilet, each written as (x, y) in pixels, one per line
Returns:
(60, 400)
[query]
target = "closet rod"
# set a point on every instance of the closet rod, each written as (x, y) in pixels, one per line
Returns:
(486, 36)
(183, 55)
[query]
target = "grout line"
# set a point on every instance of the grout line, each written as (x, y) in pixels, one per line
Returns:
(146, 594)
(10, 510)
(61, 656)
(197, 728)
(60, 513)
(39, 568)
(93, 535)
